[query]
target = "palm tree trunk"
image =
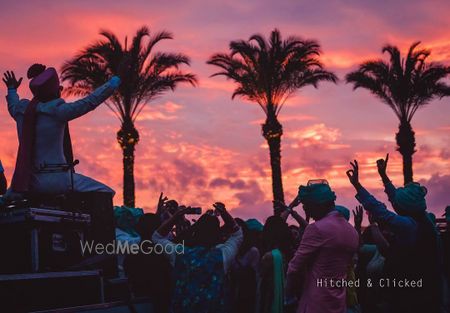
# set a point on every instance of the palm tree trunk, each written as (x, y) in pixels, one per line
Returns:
(406, 143)
(128, 137)
(272, 132)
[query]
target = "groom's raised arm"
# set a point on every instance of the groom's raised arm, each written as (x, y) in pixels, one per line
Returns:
(69, 111)
(12, 98)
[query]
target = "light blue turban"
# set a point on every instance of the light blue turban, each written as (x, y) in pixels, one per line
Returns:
(316, 194)
(343, 211)
(254, 224)
(411, 198)
(127, 218)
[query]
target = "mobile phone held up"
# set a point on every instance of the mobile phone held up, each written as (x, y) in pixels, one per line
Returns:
(194, 210)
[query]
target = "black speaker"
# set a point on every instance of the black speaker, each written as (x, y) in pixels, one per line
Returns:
(43, 291)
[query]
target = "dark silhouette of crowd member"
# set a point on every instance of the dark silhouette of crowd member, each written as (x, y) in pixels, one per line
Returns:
(277, 248)
(296, 234)
(3, 182)
(414, 253)
(244, 273)
(200, 271)
(255, 229)
(42, 130)
(445, 236)
(149, 272)
(325, 253)
(165, 209)
(286, 211)
(371, 260)
(352, 298)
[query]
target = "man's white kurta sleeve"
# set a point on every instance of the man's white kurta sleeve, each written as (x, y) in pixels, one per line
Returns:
(69, 111)
(169, 246)
(230, 248)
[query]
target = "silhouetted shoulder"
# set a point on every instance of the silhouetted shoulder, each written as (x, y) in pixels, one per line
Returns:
(22, 106)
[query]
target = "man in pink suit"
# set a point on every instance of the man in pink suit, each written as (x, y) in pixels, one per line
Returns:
(325, 253)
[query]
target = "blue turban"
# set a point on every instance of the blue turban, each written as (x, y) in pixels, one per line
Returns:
(316, 194)
(254, 224)
(343, 211)
(432, 218)
(447, 213)
(411, 198)
(126, 218)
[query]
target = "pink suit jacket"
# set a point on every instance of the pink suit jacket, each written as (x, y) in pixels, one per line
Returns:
(325, 252)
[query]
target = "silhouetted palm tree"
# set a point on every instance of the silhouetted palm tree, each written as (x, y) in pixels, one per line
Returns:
(268, 72)
(405, 85)
(150, 75)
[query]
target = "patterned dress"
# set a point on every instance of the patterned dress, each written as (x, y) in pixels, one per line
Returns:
(199, 282)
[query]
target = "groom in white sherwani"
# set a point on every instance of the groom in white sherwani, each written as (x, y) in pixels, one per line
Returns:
(42, 129)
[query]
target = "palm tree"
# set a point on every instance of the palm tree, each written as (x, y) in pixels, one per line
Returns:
(405, 85)
(150, 74)
(268, 72)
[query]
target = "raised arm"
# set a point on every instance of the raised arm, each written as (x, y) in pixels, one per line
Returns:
(289, 210)
(389, 187)
(161, 204)
(231, 247)
(161, 235)
(226, 216)
(380, 213)
(299, 219)
(69, 111)
(12, 98)
(167, 226)
(358, 215)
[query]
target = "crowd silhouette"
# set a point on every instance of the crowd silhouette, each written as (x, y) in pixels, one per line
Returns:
(395, 264)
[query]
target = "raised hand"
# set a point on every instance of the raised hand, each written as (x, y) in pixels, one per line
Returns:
(226, 216)
(382, 165)
(358, 214)
(10, 80)
(161, 202)
(353, 174)
(220, 207)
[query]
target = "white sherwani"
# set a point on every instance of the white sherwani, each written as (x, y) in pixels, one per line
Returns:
(51, 119)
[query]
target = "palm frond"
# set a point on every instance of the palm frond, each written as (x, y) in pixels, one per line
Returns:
(405, 85)
(269, 71)
(150, 75)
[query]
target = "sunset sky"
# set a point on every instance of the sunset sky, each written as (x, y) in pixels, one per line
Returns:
(199, 146)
